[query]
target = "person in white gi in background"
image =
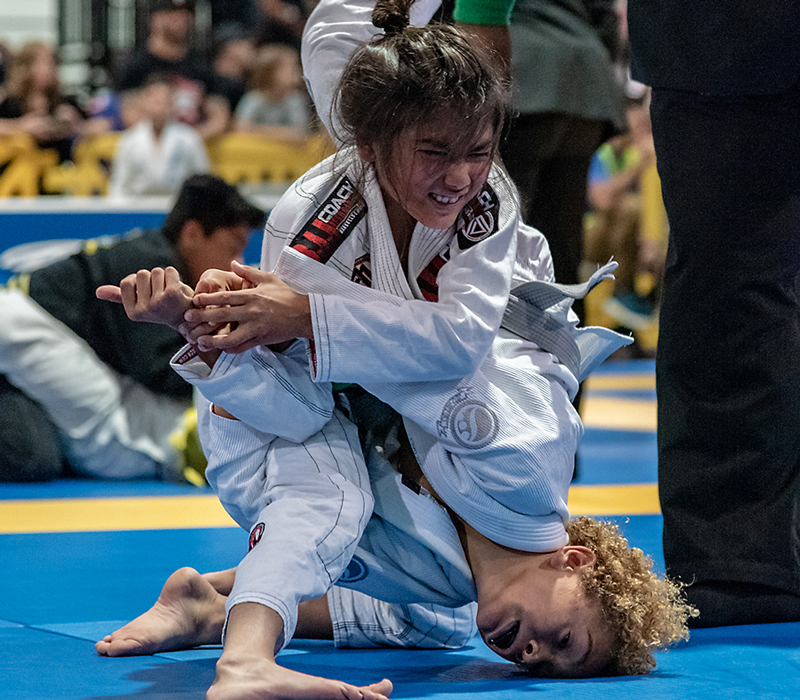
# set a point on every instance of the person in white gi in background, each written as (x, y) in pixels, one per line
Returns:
(244, 448)
(158, 153)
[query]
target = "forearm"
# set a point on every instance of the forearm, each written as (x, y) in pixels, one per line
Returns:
(217, 117)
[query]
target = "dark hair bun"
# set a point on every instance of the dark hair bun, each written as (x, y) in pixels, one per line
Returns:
(393, 16)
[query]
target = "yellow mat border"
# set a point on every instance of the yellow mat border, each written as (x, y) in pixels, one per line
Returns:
(204, 511)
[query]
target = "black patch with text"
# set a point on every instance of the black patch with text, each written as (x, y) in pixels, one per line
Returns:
(479, 219)
(332, 222)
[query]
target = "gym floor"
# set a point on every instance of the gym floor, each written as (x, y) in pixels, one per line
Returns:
(80, 558)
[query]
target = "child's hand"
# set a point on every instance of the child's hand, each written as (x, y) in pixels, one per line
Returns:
(265, 311)
(212, 280)
(155, 296)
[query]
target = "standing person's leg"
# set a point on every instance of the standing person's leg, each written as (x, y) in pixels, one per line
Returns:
(548, 157)
(728, 365)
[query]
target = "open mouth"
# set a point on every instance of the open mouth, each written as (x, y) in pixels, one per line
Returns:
(505, 639)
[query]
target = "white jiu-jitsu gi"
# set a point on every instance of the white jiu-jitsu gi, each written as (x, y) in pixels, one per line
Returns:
(467, 433)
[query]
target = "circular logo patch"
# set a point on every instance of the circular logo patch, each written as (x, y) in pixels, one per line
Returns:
(473, 424)
(356, 571)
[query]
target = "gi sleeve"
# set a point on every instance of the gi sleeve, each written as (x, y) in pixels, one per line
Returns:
(271, 392)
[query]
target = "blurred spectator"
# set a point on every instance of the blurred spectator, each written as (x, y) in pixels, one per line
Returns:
(277, 106)
(5, 62)
(243, 13)
(158, 154)
(33, 102)
(233, 55)
(283, 21)
(569, 103)
(198, 100)
(614, 225)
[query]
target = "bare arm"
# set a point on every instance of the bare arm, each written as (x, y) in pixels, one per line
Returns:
(218, 114)
(247, 666)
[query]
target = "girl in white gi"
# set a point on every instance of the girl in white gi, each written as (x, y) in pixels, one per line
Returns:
(412, 552)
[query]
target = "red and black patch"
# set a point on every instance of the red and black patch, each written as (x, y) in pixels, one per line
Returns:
(255, 535)
(332, 222)
(362, 271)
(190, 353)
(479, 219)
(428, 279)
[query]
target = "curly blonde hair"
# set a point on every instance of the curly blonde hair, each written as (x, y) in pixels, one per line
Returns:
(644, 611)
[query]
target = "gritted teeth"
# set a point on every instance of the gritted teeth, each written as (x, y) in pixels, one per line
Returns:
(444, 200)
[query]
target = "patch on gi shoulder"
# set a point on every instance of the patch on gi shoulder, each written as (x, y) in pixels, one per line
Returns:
(255, 535)
(332, 222)
(479, 219)
(356, 570)
(471, 422)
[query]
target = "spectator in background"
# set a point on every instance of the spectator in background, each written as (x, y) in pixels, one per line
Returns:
(276, 106)
(199, 102)
(79, 382)
(33, 102)
(158, 154)
(613, 228)
(233, 56)
(5, 62)
(283, 21)
(569, 102)
(243, 13)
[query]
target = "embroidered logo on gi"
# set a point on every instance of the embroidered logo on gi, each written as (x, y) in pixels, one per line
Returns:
(471, 422)
(362, 272)
(255, 535)
(479, 219)
(332, 222)
(356, 571)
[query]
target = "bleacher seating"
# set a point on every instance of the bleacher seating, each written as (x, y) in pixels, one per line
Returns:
(27, 171)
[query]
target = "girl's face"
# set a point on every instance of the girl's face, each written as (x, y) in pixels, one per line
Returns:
(432, 172)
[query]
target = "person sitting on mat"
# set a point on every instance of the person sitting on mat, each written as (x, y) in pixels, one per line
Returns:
(83, 389)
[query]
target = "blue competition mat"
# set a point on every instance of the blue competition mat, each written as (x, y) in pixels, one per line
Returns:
(61, 591)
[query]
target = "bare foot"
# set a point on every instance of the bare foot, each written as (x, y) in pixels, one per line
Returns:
(188, 613)
(257, 678)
